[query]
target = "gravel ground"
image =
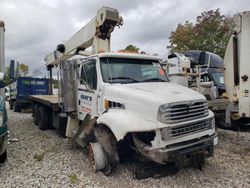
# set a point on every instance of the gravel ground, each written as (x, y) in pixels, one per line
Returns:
(44, 159)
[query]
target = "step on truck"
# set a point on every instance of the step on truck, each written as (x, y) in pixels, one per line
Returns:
(119, 104)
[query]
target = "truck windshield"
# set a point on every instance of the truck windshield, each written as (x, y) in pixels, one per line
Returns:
(218, 78)
(124, 70)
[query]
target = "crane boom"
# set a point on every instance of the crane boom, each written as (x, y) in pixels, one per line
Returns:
(96, 33)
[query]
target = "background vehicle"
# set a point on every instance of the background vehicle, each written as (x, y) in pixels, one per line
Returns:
(3, 112)
(117, 103)
(212, 65)
(237, 72)
(205, 72)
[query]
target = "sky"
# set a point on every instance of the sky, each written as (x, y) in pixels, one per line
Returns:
(34, 28)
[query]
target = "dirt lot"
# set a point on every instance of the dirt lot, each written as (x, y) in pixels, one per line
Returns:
(44, 159)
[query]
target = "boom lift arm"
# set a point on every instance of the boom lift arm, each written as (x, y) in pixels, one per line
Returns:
(96, 34)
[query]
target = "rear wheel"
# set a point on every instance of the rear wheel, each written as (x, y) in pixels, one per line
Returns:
(11, 105)
(16, 108)
(3, 157)
(35, 114)
(43, 118)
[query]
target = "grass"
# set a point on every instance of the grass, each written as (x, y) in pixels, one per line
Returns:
(73, 178)
(39, 156)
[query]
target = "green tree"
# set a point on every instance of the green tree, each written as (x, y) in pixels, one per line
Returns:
(7, 73)
(24, 69)
(132, 48)
(211, 32)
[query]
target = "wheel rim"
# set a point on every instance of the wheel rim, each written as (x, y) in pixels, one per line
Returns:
(97, 156)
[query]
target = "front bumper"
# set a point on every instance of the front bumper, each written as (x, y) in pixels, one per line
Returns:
(178, 152)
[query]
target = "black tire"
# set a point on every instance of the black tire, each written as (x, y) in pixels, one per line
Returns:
(3, 157)
(16, 108)
(35, 114)
(11, 105)
(109, 143)
(43, 118)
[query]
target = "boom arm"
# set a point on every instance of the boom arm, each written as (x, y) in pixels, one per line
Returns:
(96, 34)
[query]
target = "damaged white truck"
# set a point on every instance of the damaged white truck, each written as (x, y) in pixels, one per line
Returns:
(117, 104)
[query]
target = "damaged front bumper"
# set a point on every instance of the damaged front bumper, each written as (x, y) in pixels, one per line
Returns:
(183, 154)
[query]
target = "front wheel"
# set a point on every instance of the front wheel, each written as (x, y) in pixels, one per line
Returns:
(3, 157)
(16, 108)
(97, 156)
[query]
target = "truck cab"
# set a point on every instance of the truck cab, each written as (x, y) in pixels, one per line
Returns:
(212, 64)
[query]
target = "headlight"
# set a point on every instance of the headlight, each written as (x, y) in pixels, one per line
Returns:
(1, 118)
(162, 113)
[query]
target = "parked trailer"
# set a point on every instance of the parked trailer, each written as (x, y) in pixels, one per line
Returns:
(26, 86)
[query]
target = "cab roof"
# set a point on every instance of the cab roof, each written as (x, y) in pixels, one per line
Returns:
(128, 55)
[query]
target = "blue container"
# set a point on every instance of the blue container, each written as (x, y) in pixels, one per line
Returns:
(31, 86)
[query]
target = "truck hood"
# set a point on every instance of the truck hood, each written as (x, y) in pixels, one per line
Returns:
(144, 99)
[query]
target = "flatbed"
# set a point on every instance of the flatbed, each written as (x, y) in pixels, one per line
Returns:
(47, 100)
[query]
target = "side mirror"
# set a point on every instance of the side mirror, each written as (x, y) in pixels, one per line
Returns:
(14, 66)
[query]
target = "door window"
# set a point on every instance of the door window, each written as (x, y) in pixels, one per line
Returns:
(88, 75)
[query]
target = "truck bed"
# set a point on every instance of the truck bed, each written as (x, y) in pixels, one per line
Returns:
(48, 100)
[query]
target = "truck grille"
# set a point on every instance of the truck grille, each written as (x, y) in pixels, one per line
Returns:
(183, 130)
(175, 113)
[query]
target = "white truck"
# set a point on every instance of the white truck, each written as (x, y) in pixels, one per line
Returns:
(120, 103)
(237, 72)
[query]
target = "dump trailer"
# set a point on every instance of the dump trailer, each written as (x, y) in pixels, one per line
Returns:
(23, 88)
(116, 104)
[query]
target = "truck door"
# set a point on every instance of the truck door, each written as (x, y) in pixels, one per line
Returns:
(87, 90)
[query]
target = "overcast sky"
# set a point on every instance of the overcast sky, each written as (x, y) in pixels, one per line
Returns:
(34, 28)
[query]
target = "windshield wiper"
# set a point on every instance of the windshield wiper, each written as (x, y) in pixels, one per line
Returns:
(154, 79)
(123, 78)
